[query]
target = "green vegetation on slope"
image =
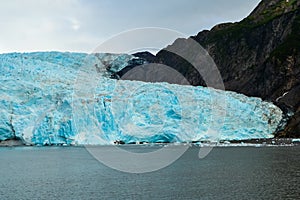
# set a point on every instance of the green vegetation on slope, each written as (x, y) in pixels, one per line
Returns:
(236, 30)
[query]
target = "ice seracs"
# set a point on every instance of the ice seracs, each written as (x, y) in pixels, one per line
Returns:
(44, 100)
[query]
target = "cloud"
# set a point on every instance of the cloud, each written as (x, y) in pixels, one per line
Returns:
(75, 24)
(80, 25)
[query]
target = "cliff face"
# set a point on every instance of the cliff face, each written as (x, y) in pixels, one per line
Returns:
(258, 56)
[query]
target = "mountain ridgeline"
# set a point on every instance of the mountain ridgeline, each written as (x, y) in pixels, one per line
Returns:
(258, 56)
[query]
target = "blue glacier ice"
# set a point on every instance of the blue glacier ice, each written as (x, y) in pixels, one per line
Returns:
(69, 98)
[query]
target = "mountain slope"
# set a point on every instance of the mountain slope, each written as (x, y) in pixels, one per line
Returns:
(258, 56)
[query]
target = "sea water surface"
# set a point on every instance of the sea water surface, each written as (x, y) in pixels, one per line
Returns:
(225, 173)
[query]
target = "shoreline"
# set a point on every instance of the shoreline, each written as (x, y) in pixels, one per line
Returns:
(223, 143)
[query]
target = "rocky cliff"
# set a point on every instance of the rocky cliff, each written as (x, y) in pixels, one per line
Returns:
(258, 56)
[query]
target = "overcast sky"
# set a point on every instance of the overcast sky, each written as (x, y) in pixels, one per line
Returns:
(81, 25)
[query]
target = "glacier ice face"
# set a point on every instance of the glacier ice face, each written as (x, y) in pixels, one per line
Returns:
(47, 98)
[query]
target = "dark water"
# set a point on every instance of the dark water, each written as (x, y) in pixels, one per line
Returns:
(226, 173)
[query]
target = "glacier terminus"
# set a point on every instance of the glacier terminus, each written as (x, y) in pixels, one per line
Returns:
(45, 100)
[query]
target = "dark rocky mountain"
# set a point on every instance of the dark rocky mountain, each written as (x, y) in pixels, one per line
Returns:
(258, 56)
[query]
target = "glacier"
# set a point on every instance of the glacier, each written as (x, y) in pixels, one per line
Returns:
(53, 98)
